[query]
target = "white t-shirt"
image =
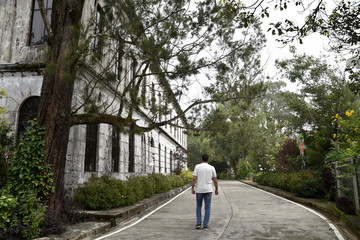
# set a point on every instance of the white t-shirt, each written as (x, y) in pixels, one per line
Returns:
(204, 173)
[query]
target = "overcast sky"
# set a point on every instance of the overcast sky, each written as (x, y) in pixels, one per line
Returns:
(314, 44)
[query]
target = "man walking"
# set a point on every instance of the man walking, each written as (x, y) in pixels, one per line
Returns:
(204, 176)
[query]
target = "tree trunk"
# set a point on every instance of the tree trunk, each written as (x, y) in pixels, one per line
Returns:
(57, 92)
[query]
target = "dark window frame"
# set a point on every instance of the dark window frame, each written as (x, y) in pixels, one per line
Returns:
(98, 41)
(159, 158)
(171, 161)
(165, 160)
(131, 152)
(91, 147)
(115, 150)
(38, 24)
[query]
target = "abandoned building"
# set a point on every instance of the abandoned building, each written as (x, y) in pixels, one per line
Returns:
(93, 149)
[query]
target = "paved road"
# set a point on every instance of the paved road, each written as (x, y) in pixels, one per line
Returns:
(238, 212)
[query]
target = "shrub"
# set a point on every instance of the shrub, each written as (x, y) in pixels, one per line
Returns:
(161, 182)
(137, 187)
(104, 193)
(345, 205)
(32, 214)
(149, 186)
(175, 180)
(22, 216)
(307, 184)
(8, 220)
(304, 183)
(186, 175)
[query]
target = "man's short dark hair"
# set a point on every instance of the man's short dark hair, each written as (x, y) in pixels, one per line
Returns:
(205, 157)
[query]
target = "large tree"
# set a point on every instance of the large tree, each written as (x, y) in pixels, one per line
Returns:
(57, 91)
(326, 92)
(172, 40)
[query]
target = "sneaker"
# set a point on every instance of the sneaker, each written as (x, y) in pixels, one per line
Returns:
(205, 228)
(198, 226)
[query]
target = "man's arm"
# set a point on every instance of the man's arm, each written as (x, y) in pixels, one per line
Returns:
(215, 180)
(193, 182)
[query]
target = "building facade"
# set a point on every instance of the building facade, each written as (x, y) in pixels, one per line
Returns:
(93, 149)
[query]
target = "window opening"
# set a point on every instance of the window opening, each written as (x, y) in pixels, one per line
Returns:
(28, 111)
(91, 147)
(38, 33)
(115, 152)
(171, 161)
(143, 154)
(165, 160)
(131, 152)
(98, 30)
(159, 158)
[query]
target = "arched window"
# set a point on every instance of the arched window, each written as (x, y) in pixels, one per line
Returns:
(28, 111)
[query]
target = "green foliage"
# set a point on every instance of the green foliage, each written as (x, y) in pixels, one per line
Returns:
(31, 212)
(8, 205)
(245, 169)
(304, 183)
(175, 180)
(347, 138)
(107, 193)
(317, 147)
(104, 193)
(7, 148)
(328, 97)
(21, 216)
(186, 175)
(28, 171)
(30, 184)
(161, 183)
(307, 184)
(2, 94)
(198, 144)
(141, 187)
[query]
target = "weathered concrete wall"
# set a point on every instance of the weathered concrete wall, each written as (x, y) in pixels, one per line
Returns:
(15, 22)
(18, 86)
(20, 83)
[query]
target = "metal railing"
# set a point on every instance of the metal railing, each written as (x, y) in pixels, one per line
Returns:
(347, 175)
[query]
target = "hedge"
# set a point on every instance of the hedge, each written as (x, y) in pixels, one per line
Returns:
(101, 193)
(305, 183)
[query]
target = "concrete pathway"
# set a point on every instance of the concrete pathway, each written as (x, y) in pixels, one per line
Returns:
(238, 212)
